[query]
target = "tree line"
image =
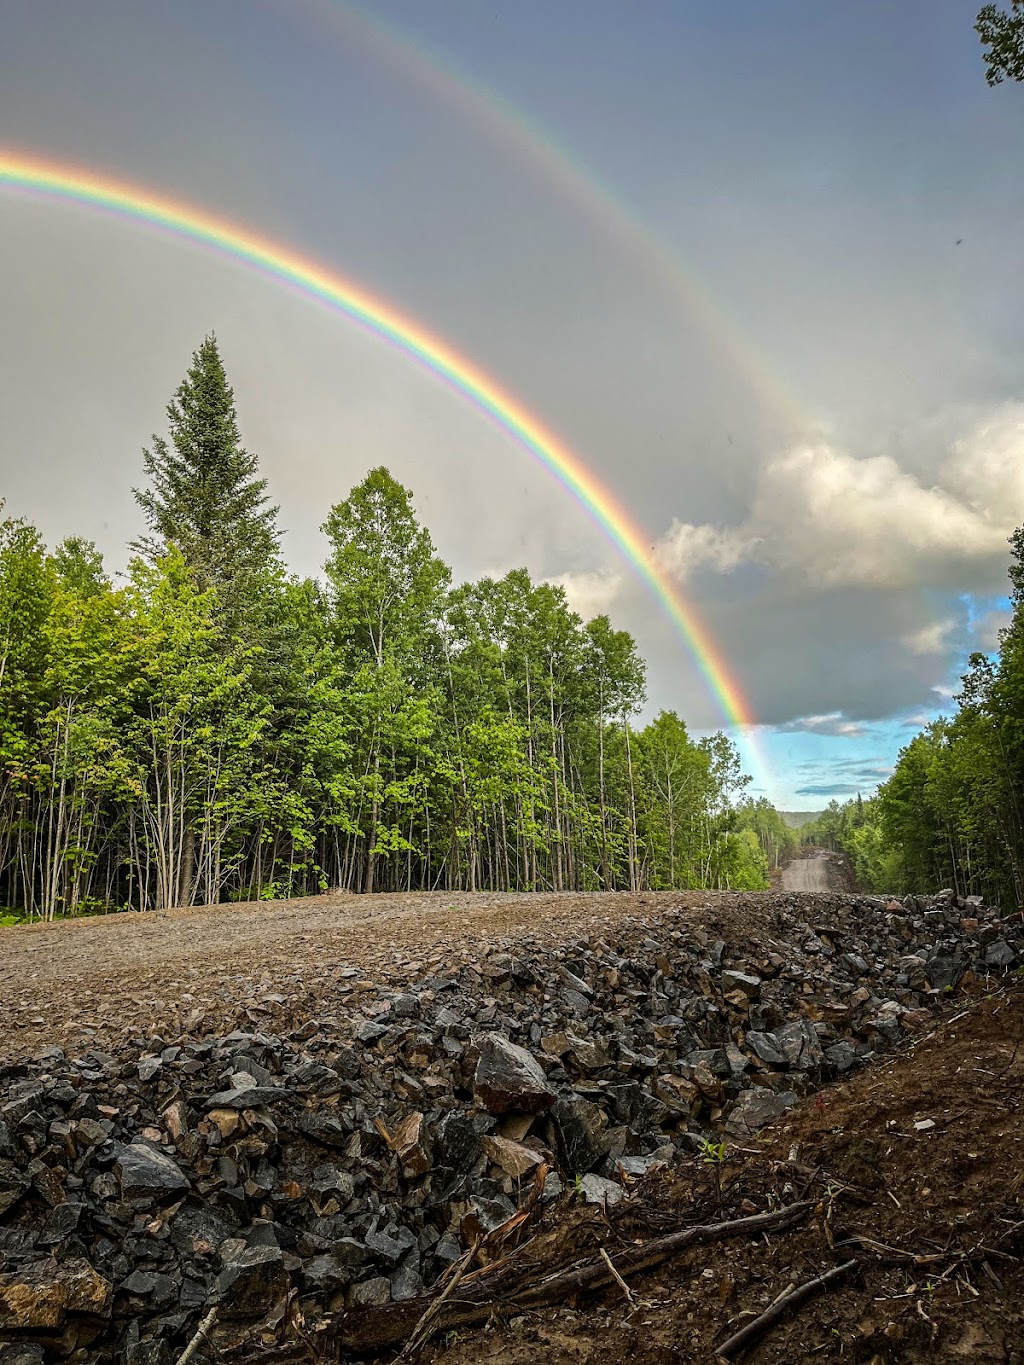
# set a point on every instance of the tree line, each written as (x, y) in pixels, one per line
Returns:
(952, 813)
(207, 726)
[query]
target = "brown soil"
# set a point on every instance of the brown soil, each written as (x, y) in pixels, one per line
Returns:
(950, 1195)
(86, 982)
(887, 1192)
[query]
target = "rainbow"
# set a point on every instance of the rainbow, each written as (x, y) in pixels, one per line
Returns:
(67, 184)
(570, 180)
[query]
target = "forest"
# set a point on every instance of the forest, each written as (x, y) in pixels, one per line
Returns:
(207, 727)
(951, 813)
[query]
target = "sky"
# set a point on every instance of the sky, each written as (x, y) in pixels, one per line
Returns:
(758, 265)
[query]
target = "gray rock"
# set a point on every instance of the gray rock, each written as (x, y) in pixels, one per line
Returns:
(742, 981)
(595, 1189)
(370, 1293)
(249, 1097)
(145, 1173)
(509, 1079)
(406, 1282)
(841, 1056)
(757, 1108)
(944, 972)
(768, 1049)
(580, 1131)
(999, 954)
(251, 1285)
(800, 1044)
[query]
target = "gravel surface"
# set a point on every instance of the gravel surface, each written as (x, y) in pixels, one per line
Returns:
(86, 982)
(809, 874)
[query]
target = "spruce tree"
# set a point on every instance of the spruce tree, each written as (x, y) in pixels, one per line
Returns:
(205, 496)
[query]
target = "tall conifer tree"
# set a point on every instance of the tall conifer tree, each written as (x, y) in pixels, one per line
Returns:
(205, 495)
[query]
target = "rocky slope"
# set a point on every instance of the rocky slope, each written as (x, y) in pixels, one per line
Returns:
(346, 1161)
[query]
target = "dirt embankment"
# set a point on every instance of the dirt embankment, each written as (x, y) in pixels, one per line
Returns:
(530, 1093)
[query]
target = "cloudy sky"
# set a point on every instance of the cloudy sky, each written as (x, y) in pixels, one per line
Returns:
(757, 264)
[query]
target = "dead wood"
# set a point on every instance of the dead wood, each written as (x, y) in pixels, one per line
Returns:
(524, 1280)
(755, 1330)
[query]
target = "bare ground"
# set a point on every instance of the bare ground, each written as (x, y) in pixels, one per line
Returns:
(85, 982)
(932, 1216)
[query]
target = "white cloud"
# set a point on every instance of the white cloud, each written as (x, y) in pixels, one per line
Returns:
(590, 594)
(930, 639)
(835, 723)
(685, 547)
(823, 516)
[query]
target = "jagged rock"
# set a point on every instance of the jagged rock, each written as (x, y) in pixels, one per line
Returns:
(767, 1048)
(370, 1293)
(513, 1158)
(841, 1056)
(579, 1128)
(252, 1284)
(145, 1173)
(456, 1142)
(22, 1353)
(13, 1185)
(509, 1078)
(799, 1042)
(408, 1142)
(756, 1108)
(999, 954)
(748, 985)
(944, 972)
(595, 1189)
(43, 1295)
(249, 1097)
(406, 1282)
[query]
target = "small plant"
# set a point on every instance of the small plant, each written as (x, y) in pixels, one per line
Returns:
(714, 1156)
(714, 1152)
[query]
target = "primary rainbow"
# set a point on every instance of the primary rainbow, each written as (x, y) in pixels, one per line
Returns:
(71, 185)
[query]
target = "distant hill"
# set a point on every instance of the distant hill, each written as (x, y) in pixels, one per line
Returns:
(795, 818)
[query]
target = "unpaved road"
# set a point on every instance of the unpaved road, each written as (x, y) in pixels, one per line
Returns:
(809, 874)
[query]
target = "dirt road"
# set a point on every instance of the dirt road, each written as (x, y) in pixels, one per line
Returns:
(809, 874)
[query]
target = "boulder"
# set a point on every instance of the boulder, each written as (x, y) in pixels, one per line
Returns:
(145, 1173)
(509, 1078)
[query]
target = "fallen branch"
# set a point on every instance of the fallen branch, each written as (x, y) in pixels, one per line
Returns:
(518, 1282)
(630, 1297)
(755, 1330)
(425, 1327)
(200, 1334)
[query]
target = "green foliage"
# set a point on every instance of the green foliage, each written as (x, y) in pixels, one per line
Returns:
(1002, 34)
(211, 729)
(951, 813)
(205, 498)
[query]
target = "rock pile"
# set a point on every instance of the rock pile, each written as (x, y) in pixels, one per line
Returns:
(351, 1161)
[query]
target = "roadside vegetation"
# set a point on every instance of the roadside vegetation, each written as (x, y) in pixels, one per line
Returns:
(207, 727)
(951, 813)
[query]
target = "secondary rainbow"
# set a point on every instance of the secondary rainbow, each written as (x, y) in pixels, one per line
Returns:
(180, 220)
(479, 106)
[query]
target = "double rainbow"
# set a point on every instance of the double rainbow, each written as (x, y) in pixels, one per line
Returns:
(70, 185)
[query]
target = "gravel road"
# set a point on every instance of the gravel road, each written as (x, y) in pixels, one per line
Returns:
(808, 874)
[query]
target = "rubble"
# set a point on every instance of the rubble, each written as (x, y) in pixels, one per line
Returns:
(348, 1161)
